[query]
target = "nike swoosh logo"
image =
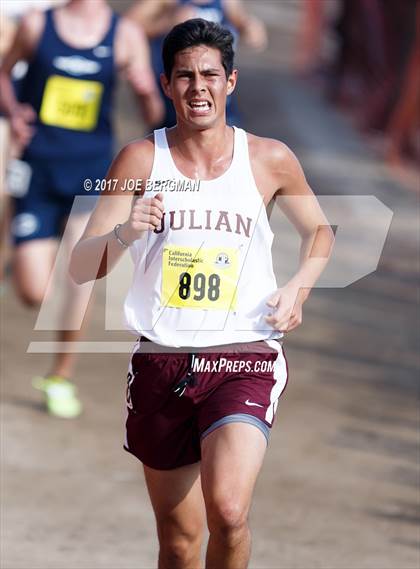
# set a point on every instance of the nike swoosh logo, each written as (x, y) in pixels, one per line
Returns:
(251, 404)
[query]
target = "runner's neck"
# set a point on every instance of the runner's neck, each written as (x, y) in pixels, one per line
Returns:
(204, 150)
(85, 7)
(82, 24)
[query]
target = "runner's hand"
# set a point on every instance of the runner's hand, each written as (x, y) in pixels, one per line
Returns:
(146, 215)
(184, 13)
(287, 309)
(254, 34)
(21, 124)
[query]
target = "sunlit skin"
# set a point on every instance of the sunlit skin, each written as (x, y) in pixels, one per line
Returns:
(199, 76)
(201, 142)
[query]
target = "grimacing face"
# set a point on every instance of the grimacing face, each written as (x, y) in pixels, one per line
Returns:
(198, 86)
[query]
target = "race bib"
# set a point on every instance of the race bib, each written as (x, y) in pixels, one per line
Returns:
(199, 278)
(71, 103)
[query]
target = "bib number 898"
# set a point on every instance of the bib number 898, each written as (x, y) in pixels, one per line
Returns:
(199, 286)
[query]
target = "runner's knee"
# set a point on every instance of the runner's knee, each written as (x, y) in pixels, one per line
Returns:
(228, 518)
(31, 291)
(178, 546)
(178, 552)
(31, 298)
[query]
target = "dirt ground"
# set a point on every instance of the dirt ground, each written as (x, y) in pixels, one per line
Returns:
(339, 487)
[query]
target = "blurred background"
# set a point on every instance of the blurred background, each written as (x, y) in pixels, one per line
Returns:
(338, 82)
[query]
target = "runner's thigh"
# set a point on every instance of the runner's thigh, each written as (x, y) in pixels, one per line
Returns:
(177, 498)
(232, 456)
(32, 264)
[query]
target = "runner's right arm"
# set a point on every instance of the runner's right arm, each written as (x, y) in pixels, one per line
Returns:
(251, 29)
(25, 41)
(99, 249)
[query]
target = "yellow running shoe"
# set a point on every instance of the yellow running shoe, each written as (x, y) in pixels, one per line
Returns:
(60, 396)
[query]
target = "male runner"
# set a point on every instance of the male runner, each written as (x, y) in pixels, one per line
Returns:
(204, 299)
(63, 121)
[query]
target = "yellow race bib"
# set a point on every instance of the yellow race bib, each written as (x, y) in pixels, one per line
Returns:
(71, 103)
(199, 278)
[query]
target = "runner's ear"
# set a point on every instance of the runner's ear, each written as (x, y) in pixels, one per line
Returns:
(231, 82)
(165, 85)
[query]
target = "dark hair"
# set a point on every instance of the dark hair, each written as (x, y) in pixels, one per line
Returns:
(197, 32)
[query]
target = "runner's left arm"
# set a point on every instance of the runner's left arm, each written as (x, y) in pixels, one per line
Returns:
(299, 204)
(154, 16)
(133, 58)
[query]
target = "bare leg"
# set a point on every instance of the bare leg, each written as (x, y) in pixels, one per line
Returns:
(229, 470)
(74, 305)
(406, 112)
(309, 38)
(32, 264)
(178, 504)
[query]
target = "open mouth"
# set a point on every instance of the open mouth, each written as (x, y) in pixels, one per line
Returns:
(200, 106)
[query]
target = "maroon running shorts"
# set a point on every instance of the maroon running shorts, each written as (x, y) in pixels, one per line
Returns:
(176, 397)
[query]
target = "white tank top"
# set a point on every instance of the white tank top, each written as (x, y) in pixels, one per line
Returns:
(204, 276)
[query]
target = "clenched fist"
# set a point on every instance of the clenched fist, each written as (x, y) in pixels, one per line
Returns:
(146, 215)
